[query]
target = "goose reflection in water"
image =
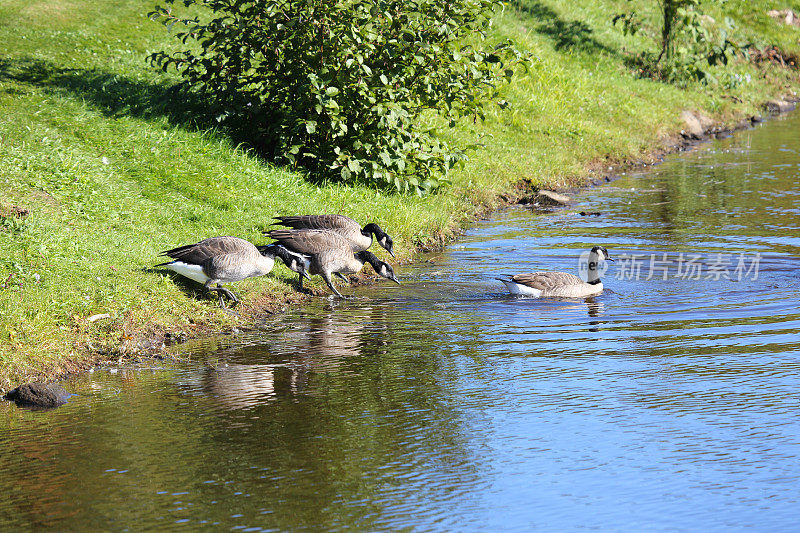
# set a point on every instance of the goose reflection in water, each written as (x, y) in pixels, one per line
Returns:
(238, 386)
(312, 344)
(591, 306)
(595, 310)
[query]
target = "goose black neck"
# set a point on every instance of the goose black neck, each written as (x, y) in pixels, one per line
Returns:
(372, 229)
(593, 274)
(368, 257)
(274, 250)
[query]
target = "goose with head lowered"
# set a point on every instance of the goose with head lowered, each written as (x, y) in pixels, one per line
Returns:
(328, 254)
(360, 238)
(560, 284)
(227, 259)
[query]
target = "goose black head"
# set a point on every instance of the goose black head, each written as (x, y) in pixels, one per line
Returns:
(268, 250)
(601, 252)
(298, 264)
(381, 236)
(381, 268)
(293, 261)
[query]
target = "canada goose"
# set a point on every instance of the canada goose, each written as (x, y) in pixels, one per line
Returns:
(329, 253)
(560, 284)
(226, 259)
(360, 238)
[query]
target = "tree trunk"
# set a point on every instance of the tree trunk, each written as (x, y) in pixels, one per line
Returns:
(668, 10)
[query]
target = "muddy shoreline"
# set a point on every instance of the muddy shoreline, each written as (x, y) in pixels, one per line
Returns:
(151, 345)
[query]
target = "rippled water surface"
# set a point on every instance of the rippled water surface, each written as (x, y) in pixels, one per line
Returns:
(446, 405)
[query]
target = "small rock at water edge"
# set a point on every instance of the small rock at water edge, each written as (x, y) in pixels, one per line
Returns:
(38, 395)
(694, 125)
(779, 106)
(550, 197)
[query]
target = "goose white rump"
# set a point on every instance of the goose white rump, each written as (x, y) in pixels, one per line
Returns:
(188, 270)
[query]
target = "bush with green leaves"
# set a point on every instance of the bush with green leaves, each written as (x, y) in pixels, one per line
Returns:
(346, 89)
(688, 41)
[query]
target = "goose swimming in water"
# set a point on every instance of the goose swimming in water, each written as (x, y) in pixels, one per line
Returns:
(560, 284)
(227, 259)
(328, 253)
(360, 238)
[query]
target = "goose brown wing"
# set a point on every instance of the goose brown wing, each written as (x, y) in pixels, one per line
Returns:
(310, 241)
(198, 253)
(331, 222)
(544, 281)
(227, 267)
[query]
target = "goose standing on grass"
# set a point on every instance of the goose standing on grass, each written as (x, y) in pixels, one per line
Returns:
(328, 253)
(560, 284)
(360, 238)
(227, 259)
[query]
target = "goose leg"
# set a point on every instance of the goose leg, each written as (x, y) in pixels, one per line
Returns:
(327, 277)
(341, 276)
(228, 293)
(300, 285)
(219, 296)
(220, 290)
(209, 288)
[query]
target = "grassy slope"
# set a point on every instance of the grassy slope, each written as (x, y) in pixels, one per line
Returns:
(112, 172)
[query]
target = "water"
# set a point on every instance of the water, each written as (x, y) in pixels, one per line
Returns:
(446, 405)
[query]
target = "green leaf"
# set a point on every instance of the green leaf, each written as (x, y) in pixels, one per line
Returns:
(343, 88)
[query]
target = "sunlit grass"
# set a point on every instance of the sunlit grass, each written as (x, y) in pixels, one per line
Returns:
(114, 169)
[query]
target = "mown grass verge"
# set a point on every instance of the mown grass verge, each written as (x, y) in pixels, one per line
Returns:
(112, 167)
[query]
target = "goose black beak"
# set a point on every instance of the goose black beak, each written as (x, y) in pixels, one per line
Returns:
(609, 259)
(394, 278)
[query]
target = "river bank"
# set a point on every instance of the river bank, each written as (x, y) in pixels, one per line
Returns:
(446, 404)
(109, 175)
(151, 344)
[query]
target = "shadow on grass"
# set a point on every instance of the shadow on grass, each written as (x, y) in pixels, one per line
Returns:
(117, 95)
(571, 35)
(195, 290)
(191, 288)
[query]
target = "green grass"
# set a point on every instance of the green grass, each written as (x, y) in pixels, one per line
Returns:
(114, 169)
